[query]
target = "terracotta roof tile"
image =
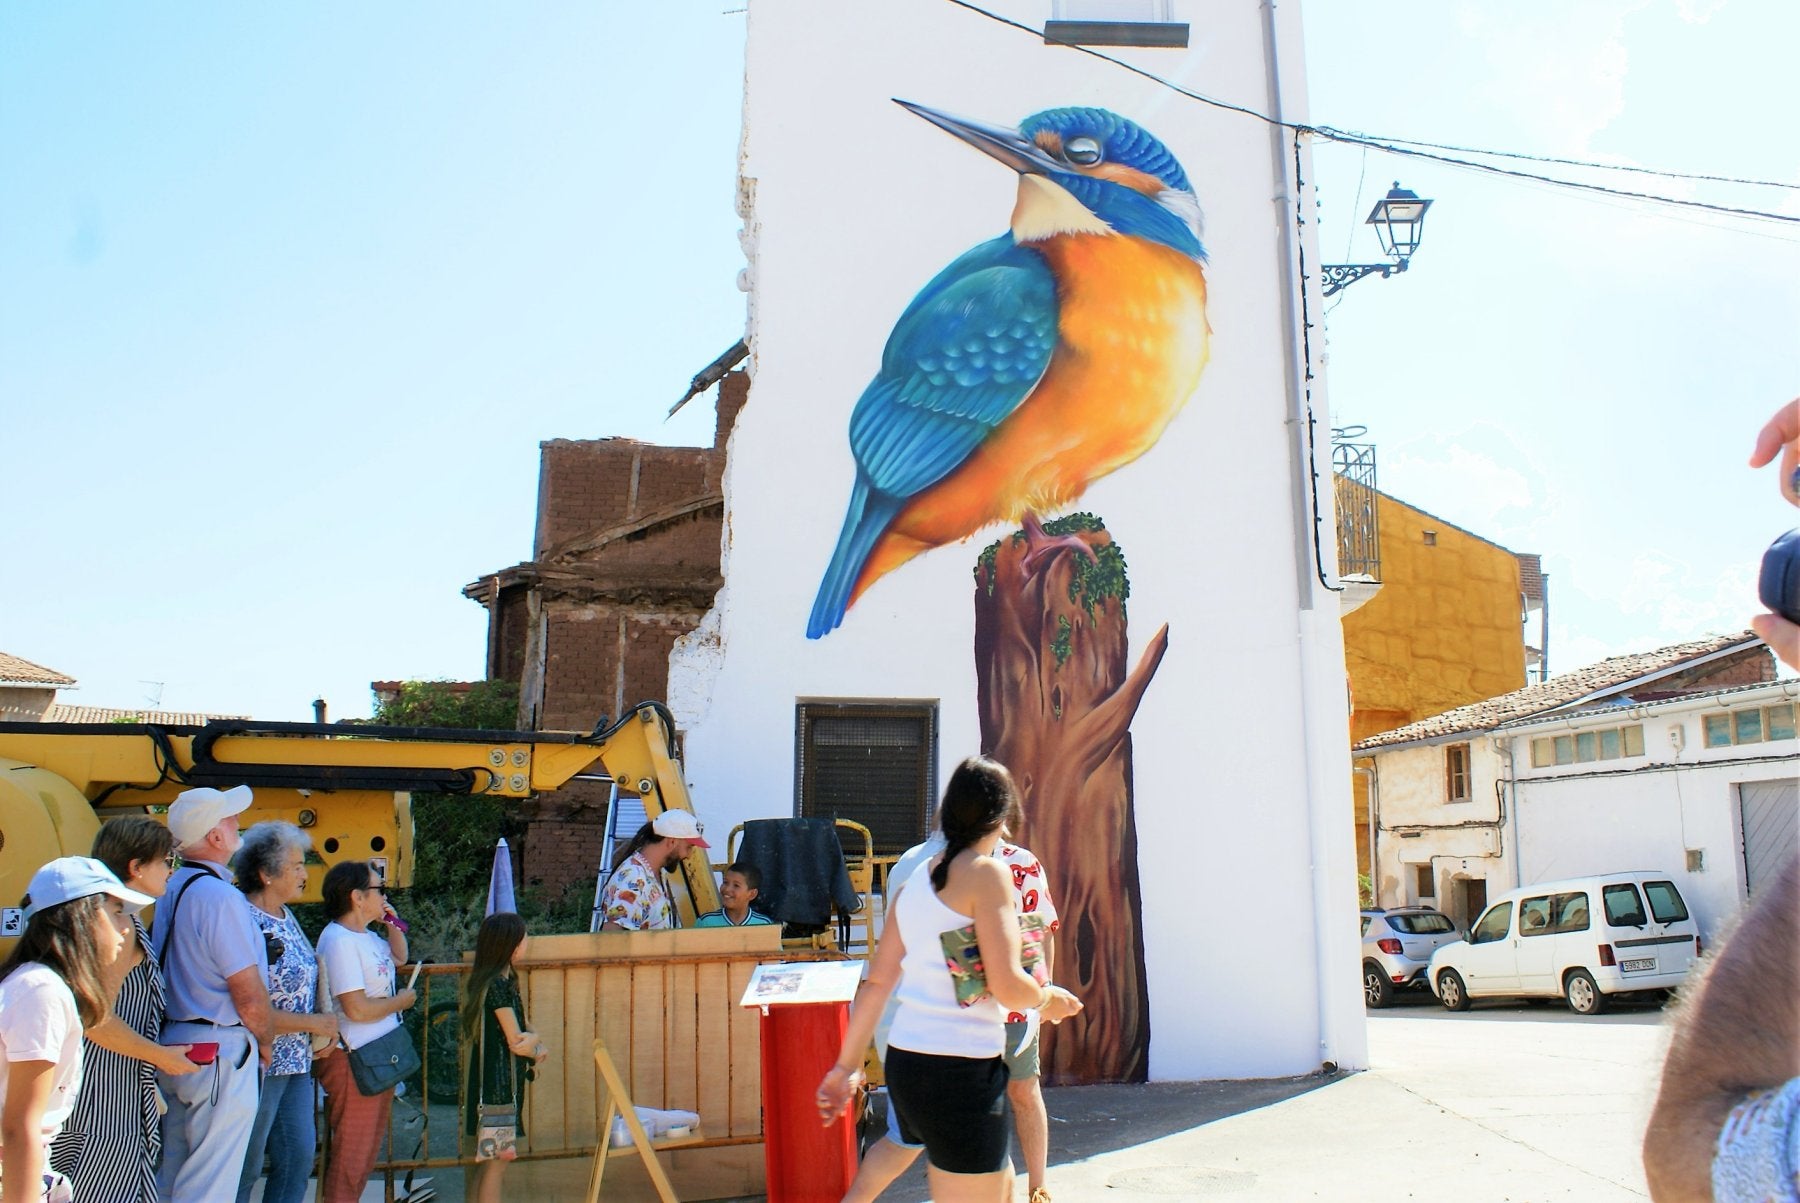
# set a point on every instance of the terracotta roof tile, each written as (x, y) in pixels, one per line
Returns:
(15, 671)
(60, 713)
(1557, 692)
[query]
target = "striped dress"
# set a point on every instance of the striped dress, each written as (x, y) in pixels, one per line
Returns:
(110, 1146)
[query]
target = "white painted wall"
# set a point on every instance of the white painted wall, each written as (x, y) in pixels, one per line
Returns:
(1241, 764)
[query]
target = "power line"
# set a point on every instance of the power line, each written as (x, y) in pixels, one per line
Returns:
(1654, 197)
(1352, 135)
(1407, 147)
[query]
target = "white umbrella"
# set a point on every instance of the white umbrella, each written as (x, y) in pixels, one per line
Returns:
(500, 883)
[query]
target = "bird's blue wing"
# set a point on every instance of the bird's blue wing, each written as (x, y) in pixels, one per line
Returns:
(972, 344)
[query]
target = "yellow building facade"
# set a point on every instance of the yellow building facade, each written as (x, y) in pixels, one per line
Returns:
(1444, 630)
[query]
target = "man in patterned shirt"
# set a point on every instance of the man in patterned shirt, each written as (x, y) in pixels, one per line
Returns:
(635, 898)
(888, 1158)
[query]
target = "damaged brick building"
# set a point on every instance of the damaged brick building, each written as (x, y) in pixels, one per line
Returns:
(625, 561)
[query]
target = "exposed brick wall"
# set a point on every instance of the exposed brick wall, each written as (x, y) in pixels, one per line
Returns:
(509, 638)
(601, 659)
(564, 839)
(1752, 666)
(734, 390)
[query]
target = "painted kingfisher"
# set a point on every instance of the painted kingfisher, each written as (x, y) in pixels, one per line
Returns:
(1038, 361)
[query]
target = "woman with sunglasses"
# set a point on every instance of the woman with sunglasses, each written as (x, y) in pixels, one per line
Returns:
(109, 1146)
(357, 973)
(271, 871)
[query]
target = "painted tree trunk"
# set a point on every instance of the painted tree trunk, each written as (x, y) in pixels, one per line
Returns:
(1056, 705)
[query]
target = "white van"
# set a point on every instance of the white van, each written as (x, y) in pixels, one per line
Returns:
(1582, 940)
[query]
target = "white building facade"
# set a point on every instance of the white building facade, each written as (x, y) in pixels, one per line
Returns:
(1702, 786)
(1230, 784)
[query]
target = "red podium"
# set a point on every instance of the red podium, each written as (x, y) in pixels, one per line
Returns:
(805, 1009)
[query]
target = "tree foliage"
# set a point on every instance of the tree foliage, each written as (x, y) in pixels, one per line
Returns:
(477, 705)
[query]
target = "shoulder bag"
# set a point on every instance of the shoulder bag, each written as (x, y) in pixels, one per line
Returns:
(385, 1061)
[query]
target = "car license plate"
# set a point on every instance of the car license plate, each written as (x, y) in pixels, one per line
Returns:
(1637, 966)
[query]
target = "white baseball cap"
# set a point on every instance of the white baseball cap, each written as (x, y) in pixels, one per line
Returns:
(197, 811)
(680, 825)
(70, 877)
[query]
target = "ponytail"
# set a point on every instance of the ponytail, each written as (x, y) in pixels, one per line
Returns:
(977, 801)
(940, 872)
(645, 835)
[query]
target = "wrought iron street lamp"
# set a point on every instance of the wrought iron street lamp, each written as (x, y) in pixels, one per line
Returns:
(1399, 221)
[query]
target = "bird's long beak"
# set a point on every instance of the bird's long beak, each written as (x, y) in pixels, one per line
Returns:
(1007, 145)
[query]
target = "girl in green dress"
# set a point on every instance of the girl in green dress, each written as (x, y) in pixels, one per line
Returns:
(500, 1050)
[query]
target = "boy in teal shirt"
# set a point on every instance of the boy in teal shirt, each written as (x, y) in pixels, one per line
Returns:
(737, 890)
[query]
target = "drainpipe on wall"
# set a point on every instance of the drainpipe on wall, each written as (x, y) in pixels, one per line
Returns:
(1368, 772)
(1297, 367)
(1504, 747)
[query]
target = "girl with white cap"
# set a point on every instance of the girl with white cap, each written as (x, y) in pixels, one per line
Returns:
(75, 926)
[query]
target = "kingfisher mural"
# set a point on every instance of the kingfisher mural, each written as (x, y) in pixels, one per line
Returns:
(1035, 363)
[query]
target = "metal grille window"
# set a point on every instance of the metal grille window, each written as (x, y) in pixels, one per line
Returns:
(875, 763)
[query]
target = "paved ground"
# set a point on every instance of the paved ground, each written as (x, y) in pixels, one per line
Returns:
(1506, 1103)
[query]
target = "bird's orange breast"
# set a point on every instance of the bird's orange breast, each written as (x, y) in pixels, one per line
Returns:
(1132, 340)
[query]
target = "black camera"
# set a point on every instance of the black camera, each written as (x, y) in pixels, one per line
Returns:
(1779, 583)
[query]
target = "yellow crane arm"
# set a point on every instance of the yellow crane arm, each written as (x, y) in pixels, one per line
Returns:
(349, 786)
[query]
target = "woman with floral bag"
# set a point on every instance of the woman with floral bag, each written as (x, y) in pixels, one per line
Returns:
(500, 1050)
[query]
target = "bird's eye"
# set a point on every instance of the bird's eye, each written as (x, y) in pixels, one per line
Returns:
(1083, 152)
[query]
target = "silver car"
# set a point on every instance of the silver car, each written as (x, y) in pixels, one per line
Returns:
(1396, 947)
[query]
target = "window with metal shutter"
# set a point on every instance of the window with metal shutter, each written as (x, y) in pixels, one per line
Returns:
(872, 762)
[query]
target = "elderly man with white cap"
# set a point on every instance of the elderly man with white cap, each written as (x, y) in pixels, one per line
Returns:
(216, 966)
(634, 898)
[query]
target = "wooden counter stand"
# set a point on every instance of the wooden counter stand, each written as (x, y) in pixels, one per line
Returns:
(665, 1005)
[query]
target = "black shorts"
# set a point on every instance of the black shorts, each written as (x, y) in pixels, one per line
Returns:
(954, 1106)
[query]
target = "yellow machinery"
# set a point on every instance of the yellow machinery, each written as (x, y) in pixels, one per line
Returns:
(349, 786)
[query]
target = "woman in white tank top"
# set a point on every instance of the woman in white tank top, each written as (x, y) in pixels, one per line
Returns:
(946, 1078)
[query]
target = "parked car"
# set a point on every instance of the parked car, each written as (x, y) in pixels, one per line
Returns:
(1585, 940)
(1396, 947)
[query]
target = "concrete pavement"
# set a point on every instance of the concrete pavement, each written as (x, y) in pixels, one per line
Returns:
(1507, 1102)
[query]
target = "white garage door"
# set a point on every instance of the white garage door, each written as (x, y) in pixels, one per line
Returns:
(1771, 811)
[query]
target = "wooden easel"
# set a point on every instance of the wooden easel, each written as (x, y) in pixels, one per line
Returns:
(619, 1103)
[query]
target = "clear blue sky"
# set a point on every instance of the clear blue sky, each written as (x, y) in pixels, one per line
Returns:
(1576, 376)
(289, 295)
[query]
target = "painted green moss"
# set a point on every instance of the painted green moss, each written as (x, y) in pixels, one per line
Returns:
(1059, 647)
(1093, 582)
